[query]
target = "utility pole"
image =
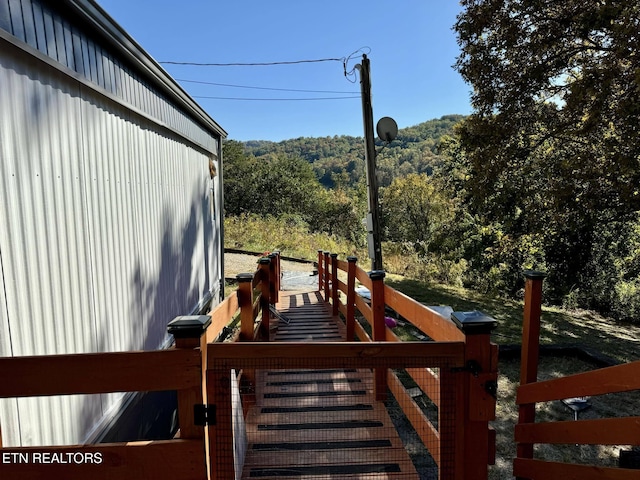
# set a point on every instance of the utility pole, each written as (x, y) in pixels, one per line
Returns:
(373, 217)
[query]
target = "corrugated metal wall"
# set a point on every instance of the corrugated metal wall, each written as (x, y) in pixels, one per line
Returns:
(106, 229)
(39, 25)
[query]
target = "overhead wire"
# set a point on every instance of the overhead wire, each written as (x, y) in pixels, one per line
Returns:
(274, 99)
(252, 64)
(345, 63)
(260, 88)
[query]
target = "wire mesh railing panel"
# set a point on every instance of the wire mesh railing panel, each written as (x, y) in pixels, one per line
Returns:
(318, 418)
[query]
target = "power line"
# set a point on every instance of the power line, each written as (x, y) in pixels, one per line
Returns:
(257, 64)
(260, 88)
(275, 99)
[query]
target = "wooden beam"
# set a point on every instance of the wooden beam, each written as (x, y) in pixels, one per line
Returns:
(360, 332)
(353, 354)
(620, 378)
(429, 322)
(334, 284)
(350, 317)
(530, 350)
(342, 286)
(222, 315)
(364, 308)
(602, 431)
(245, 298)
(539, 469)
(99, 373)
(425, 429)
(363, 277)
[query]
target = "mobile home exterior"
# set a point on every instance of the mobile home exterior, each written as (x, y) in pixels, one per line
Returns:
(110, 203)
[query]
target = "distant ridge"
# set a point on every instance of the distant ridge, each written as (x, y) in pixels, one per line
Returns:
(338, 160)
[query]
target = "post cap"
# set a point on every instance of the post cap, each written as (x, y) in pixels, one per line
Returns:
(534, 275)
(352, 259)
(264, 261)
(334, 255)
(474, 322)
(244, 277)
(188, 326)
(377, 274)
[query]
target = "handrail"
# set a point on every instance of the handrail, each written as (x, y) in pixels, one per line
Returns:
(616, 379)
(602, 431)
(459, 390)
(179, 368)
(221, 359)
(474, 398)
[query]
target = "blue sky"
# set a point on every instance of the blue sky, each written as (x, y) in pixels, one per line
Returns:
(412, 50)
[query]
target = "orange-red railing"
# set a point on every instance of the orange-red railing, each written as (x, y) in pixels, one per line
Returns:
(180, 369)
(602, 431)
(474, 400)
(463, 390)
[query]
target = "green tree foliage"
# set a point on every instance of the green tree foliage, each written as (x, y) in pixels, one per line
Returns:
(415, 210)
(283, 186)
(552, 153)
(280, 186)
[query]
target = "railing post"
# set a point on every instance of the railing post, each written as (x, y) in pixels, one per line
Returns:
(189, 333)
(273, 274)
(530, 348)
(265, 295)
(278, 274)
(480, 391)
(334, 283)
(320, 270)
(220, 432)
(351, 298)
(326, 276)
(378, 328)
(245, 301)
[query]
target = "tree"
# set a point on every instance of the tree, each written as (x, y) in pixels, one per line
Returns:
(414, 210)
(553, 143)
(551, 75)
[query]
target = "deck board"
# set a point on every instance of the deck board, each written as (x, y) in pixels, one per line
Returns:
(319, 424)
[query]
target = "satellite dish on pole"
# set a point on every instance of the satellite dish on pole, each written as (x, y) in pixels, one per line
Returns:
(387, 129)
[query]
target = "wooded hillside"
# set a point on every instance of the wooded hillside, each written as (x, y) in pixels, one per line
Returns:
(338, 160)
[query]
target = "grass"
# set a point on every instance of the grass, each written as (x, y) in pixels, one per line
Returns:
(618, 341)
(292, 239)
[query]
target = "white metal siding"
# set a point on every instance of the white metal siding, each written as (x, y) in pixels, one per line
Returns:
(37, 23)
(106, 235)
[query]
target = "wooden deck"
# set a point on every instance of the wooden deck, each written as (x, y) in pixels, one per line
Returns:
(321, 424)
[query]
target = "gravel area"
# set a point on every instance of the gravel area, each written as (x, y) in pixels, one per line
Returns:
(294, 274)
